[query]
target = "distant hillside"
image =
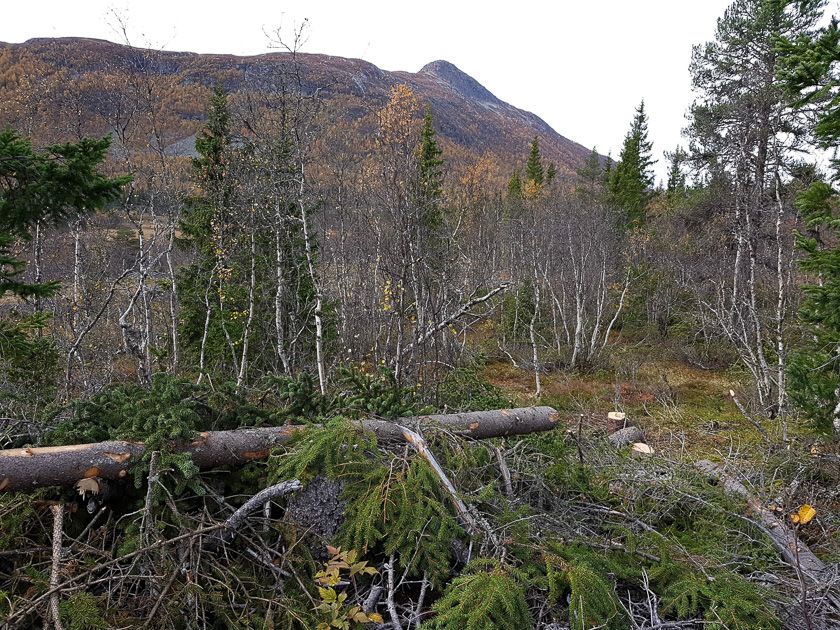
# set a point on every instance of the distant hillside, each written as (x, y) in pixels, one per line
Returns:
(37, 76)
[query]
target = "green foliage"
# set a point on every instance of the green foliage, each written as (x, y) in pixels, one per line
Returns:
(621, 565)
(676, 184)
(395, 509)
(465, 389)
(402, 512)
(334, 610)
(726, 601)
(80, 611)
(486, 596)
(517, 309)
(514, 188)
(631, 181)
(168, 412)
(377, 394)
(338, 449)
(808, 67)
(815, 367)
(590, 173)
(431, 176)
(577, 574)
(296, 397)
(46, 186)
(592, 600)
(534, 171)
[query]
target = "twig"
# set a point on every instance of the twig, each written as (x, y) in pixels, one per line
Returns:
(752, 420)
(58, 529)
(145, 523)
(392, 607)
(421, 599)
(160, 598)
(105, 565)
(503, 467)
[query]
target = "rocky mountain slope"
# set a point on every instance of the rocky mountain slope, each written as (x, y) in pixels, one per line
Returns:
(71, 84)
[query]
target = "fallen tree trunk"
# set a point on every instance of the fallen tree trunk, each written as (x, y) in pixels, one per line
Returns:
(794, 551)
(23, 469)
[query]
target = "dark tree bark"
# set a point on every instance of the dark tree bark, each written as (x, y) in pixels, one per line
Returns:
(23, 469)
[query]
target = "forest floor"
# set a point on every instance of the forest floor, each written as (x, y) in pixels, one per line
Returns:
(685, 411)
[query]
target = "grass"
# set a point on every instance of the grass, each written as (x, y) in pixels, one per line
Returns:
(683, 409)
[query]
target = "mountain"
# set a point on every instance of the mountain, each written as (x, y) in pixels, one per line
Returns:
(49, 85)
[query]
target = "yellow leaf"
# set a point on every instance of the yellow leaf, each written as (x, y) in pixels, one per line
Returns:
(805, 515)
(375, 617)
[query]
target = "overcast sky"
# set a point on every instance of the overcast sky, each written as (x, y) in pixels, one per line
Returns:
(581, 65)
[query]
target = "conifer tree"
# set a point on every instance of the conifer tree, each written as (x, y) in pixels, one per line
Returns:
(46, 186)
(40, 187)
(631, 182)
(551, 173)
(431, 174)
(534, 171)
(207, 225)
(590, 172)
(514, 189)
(809, 67)
(608, 170)
(676, 177)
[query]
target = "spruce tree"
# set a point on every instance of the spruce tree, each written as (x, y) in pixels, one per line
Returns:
(208, 228)
(608, 170)
(809, 68)
(551, 173)
(47, 186)
(590, 172)
(631, 182)
(676, 178)
(534, 171)
(514, 188)
(431, 175)
(42, 187)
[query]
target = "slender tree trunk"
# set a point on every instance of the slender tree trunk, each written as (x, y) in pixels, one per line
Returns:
(316, 286)
(252, 297)
(280, 292)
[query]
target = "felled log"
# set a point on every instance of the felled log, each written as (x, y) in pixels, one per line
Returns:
(626, 436)
(794, 552)
(23, 469)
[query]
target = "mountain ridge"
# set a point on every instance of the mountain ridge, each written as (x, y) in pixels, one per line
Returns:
(466, 112)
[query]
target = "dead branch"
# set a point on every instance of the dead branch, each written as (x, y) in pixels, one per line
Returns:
(235, 521)
(794, 551)
(58, 532)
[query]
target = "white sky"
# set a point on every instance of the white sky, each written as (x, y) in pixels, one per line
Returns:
(582, 66)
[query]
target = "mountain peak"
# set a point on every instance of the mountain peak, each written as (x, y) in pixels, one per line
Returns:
(458, 80)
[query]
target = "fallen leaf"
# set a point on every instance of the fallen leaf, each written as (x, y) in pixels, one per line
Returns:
(804, 516)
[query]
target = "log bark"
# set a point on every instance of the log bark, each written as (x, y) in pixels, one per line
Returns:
(793, 551)
(24, 469)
